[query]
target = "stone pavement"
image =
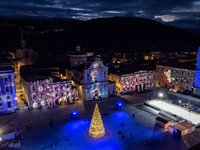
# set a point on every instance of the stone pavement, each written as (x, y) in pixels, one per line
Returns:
(73, 134)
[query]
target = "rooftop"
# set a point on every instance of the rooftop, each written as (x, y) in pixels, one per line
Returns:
(187, 65)
(162, 119)
(79, 68)
(77, 53)
(130, 69)
(7, 69)
(60, 80)
(35, 78)
(6, 128)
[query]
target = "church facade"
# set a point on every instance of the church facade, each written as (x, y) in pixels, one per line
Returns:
(91, 81)
(95, 83)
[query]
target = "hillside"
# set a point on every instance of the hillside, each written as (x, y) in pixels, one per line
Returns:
(118, 33)
(10, 33)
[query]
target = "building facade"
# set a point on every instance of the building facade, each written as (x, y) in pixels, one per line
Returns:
(8, 101)
(176, 76)
(48, 91)
(197, 75)
(133, 80)
(91, 81)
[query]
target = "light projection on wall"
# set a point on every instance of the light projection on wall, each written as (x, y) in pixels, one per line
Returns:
(197, 73)
(166, 76)
(95, 72)
(138, 82)
(96, 91)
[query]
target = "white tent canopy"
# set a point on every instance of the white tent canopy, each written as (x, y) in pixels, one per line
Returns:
(191, 116)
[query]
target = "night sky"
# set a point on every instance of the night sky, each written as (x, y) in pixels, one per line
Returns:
(180, 13)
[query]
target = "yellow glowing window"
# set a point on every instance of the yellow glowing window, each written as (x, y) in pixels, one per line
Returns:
(81, 62)
(75, 63)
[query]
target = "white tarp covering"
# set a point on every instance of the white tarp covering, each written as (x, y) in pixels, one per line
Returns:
(194, 118)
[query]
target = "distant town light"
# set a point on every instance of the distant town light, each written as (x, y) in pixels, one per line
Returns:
(16, 98)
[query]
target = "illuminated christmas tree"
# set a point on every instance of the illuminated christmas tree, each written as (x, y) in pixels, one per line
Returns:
(96, 127)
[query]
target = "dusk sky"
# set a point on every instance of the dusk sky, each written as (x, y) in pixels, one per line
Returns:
(180, 13)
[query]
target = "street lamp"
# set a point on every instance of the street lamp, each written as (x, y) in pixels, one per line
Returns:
(119, 132)
(74, 115)
(119, 105)
(179, 101)
(160, 95)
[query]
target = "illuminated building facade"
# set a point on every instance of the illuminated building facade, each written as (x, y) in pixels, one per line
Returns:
(133, 79)
(40, 91)
(22, 57)
(8, 101)
(91, 80)
(197, 75)
(176, 76)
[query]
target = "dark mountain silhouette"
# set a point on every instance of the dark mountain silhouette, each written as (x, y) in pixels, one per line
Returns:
(119, 33)
(195, 31)
(10, 36)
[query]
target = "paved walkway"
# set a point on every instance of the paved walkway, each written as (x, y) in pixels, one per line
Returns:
(73, 134)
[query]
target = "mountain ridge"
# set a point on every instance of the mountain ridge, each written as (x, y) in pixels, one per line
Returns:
(121, 34)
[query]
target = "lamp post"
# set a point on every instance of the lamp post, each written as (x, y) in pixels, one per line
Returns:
(160, 95)
(179, 102)
(119, 132)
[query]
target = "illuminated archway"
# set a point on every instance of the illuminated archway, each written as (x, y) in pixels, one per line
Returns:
(35, 105)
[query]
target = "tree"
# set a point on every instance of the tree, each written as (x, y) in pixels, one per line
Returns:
(96, 127)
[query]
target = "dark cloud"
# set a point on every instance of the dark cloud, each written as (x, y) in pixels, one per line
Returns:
(180, 13)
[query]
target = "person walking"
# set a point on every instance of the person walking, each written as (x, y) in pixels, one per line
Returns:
(54, 145)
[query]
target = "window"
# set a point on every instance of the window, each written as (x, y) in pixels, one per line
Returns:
(42, 94)
(6, 79)
(55, 88)
(1, 106)
(0, 98)
(56, 95)
(8, 97)
(81, 62)
(40, 88)
(75, 63)
(88, 75)
(62, 94)
(34, 95)
(33, 88)
(104, 73)
(61, 87)
(9, 104)
(7, 89)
